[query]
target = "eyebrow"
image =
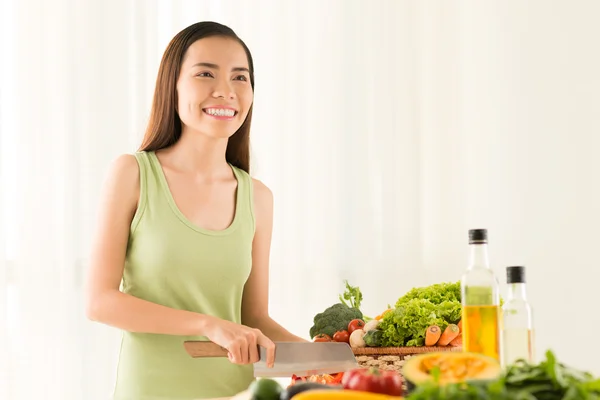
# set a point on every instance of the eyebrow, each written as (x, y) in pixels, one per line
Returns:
(215, 66)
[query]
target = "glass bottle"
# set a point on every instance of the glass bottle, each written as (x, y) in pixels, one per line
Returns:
(480, 294)
(517, 330)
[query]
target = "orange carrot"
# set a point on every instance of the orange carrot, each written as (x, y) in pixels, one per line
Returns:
(380, 316)
(460, 325)
(432, 335)
(457, 341)
(448, 335)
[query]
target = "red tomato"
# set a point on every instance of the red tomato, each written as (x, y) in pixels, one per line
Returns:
(355, 324)
(321, 337)
(342, 336)
(373, 380)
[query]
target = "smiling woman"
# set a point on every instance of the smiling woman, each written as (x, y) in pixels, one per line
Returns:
(188, 231)
(384, 133)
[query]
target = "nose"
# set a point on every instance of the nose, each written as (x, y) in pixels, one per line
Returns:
(224, 89)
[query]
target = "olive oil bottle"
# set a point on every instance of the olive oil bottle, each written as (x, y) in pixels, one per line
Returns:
(480, 293)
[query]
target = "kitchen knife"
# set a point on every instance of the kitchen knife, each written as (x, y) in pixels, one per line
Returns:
(291, 358)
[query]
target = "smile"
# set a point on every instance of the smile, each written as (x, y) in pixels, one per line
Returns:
(220, 112)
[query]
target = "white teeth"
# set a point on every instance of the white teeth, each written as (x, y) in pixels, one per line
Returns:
(221, 112)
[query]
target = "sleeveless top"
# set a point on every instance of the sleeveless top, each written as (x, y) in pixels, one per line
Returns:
(172, 262)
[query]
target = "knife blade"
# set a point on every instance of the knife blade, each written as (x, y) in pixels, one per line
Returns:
(291, 358)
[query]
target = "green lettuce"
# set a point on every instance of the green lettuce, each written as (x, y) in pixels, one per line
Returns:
(438, 304)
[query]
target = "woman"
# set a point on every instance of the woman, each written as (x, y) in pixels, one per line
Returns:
(188, 231)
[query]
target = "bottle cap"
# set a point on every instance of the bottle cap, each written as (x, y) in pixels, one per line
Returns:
(515, 274)
(478, 236)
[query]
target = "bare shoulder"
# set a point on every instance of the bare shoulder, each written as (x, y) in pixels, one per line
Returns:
(263, 199)
(263, 196)
(124, 166)
(122, 182)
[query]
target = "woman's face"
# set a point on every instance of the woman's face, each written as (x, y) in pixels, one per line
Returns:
(214, 93)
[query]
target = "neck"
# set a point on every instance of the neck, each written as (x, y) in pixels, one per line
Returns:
(200, 154)
(479, 256)
(517, 291)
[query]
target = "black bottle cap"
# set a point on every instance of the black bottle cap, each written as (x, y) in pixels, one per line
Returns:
(478, 236)
(515, 274)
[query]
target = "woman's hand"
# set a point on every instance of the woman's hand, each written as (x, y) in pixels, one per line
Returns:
(241, 341)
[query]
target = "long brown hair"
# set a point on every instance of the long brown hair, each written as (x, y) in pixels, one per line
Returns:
(164, 125)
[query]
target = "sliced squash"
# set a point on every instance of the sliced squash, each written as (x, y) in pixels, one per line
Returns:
(450, 367)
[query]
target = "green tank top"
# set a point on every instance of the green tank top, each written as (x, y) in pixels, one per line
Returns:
(172, 262)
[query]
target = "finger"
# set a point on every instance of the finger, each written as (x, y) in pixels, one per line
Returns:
(246, 349)
(253, 354)
(269, 347)
(235, 354)
(243, 345)
(245, 354)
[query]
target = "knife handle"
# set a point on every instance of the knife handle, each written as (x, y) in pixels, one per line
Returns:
(197, 349)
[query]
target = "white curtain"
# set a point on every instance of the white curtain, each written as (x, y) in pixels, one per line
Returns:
(385, 130)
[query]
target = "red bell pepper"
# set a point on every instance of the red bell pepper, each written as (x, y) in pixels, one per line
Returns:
(337, 378)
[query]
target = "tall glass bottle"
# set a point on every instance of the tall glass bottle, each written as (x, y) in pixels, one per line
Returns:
(517, 330)
(480, 292)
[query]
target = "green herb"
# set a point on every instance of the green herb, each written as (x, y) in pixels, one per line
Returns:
(352, 297)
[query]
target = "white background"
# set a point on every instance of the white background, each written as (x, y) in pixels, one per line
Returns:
(385, 129)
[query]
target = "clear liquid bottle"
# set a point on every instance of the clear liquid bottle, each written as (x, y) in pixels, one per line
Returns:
(480, 292)
(517, 330)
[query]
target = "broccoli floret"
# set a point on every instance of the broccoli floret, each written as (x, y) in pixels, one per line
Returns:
(333, 319)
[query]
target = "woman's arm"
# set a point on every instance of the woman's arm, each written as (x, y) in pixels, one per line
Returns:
(255, 302)
(105, 303)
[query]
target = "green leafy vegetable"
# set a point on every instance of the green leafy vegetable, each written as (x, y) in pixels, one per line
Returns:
(352, 297)
(438, 304)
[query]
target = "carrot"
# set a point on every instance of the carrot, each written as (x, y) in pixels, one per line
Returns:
(460, 325)
(380, 316)
(448, 335)
(457, 341)
(432, 335)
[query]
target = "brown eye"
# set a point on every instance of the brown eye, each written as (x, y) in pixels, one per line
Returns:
(205, 75)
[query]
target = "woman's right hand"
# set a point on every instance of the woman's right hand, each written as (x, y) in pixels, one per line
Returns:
(241, 341)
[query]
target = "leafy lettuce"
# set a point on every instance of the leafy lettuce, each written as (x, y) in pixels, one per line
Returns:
(438, 304)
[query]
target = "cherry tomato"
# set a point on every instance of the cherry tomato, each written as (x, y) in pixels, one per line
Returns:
(355, 324)
(373, 380)
(322, 337)
(342, 336)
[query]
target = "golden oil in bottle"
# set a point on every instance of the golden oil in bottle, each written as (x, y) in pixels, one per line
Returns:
(480, 296)
(480, 330)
